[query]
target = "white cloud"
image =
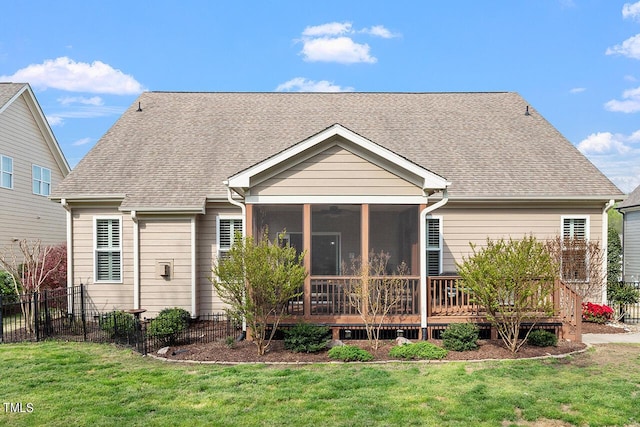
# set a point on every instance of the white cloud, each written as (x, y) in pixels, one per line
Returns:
(629, 48)
(65, 74)
(616, 155)
(334, 42)
(55, 120)
(336, 49)
(94, 100)
(631, 10)
(629, 104)
(604, 142)
(379, 31)
(300, 84)
(577, 90)
(82, 141)
(330, 29)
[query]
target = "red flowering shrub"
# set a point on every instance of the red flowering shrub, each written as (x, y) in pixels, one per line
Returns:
(598, 313)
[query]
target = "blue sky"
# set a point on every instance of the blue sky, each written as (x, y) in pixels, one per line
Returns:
(576, 61)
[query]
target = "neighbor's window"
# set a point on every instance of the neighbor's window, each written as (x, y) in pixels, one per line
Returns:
(574, 249)
(227, 228)
(108, 249)
(6, 172)
(41, 180)
(434, 245)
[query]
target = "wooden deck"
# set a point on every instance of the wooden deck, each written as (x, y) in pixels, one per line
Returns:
(447, 302)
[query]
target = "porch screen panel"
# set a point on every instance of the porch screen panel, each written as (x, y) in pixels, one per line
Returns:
(335, 239)
(394, 230)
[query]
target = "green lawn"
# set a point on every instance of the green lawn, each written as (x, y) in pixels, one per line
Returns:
(91, 384)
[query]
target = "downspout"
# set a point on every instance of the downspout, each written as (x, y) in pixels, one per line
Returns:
(605, 242)
(194, 306)
(243, 208)
(136, 260)
(67, 208)
(423, 260)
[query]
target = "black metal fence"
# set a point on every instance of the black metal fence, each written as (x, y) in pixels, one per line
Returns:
(63, 314)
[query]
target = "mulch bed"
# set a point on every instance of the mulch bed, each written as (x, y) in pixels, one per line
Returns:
(246, 351)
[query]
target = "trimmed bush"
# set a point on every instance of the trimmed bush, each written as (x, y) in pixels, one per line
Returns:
(118, 323)
(542, 338)
(169, 323)
(7, 289)
(418, 350)
(348, 353)
(306, 338)
(460, 337)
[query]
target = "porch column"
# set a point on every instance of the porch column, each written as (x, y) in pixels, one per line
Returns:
(364, 250)
(248, 224)
(423, 271)
(306, 246)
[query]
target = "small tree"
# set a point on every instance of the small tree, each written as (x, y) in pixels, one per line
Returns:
(30, 266)
(614, 257)
(513, 280)
(580, 265)
(374, 293)
(256, 280)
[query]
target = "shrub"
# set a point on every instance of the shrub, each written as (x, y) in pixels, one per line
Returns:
(306, 338)
(419, 350)
(598, 313)
(169, 323)
(348, 353)
(460, 337)
(118, 323)
(542, 338)
(7, 288)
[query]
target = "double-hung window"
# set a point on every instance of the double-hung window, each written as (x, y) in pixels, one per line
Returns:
(434, 245)
(6, 172)
(575, 236)
(41, 178)
(108, 249)
(227, 229)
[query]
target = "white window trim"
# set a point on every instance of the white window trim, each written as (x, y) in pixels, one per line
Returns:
(440, 242)
(41, 181)
(95, 250)
(587, 226)
(223, 217)
(2, 172)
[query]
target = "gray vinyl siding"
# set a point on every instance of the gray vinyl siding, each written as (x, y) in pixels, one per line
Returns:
(463, 224)
(631, 256)
(24, 215)
(335, 171)
(207, 249)
(102, 296)
(165, 240)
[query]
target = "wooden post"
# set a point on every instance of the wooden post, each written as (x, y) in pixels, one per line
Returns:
(306, 245)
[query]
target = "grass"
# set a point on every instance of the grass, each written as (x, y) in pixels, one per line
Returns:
(93, 384)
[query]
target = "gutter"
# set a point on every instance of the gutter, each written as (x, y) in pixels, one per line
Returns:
(605, 242)
(136, 260)
(67, 208)
(423, 260)
(243, 208)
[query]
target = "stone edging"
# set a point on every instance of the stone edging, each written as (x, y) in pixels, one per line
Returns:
(377, 362)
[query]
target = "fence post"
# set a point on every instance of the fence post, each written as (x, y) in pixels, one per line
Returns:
(47, 315)
(35, 315)
(1, 326)
(82, 313)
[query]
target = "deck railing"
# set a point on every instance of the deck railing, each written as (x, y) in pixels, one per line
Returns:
(447, 297)
(329, 296)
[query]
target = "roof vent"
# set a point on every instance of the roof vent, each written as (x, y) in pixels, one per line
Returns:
(140, 108)
(526, 113)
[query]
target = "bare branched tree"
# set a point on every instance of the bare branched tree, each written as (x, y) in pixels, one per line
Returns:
(581, 265)
(30, 264)
(374, 292)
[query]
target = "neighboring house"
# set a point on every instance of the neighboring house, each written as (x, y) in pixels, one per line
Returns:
(31, 165)
(418, 175)
(630, 209)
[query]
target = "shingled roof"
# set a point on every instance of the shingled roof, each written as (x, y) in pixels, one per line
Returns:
(632, 201)
(180, 148)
